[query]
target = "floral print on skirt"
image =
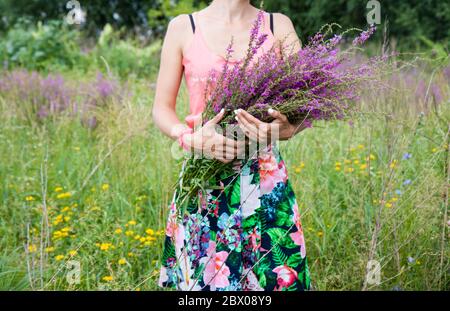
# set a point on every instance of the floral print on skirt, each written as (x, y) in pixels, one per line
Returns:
(246, 236)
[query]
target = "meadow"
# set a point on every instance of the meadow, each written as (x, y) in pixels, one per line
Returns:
(86, 179)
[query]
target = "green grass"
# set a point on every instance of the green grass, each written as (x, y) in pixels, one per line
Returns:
(123, 171)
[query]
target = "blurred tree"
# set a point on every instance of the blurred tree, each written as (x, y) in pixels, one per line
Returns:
(165, 10)
(409, 21)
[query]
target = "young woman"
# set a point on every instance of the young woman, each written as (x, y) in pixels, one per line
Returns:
(245, 234)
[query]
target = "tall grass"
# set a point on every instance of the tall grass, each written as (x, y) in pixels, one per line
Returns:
(375, 189)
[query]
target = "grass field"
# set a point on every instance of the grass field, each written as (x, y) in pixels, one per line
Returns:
(94, 200)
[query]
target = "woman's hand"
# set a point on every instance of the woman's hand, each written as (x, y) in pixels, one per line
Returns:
(208, 142)
(263, 132)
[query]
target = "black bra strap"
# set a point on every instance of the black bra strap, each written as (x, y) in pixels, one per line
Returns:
(271, 23)
(192, 22)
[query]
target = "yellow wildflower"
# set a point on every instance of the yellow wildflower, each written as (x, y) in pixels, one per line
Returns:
(105, 246)
(298, 170)
(49, 249)
(360, 146)
(130, 254)
(363, 166)
(59, 257)
(118, 231)
(393, 164)
(32, 248)
(132, 222)
(105, 187)
(122, 261)
(29, 198)
(129, 232)
(320, 233)
(58, 189)
(107, 278)
(388, 205)
(150, 231)
(64, 195)
(73, 252)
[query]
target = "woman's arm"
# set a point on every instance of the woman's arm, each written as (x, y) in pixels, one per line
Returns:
(169, 79)
(205, 139)
(284, 31)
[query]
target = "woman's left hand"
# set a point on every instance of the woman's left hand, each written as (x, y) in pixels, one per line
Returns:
(256, 130)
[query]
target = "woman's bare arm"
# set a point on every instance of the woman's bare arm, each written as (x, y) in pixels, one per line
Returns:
(284, 31)
(207, 141)
(169, 79)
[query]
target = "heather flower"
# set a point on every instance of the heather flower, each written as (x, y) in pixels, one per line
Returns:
(317, 82)
(364, 36)
(52, 95)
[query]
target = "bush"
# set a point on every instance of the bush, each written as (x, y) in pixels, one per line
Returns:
(41, 46)
(125, 57)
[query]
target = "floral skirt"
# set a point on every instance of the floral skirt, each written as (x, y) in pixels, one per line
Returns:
(244, 235)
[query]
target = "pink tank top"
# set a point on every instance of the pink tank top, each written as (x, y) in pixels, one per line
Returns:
(199, 60)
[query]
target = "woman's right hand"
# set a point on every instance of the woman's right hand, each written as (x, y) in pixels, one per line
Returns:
(209, 143)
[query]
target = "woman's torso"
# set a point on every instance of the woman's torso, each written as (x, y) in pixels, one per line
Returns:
(198, 62)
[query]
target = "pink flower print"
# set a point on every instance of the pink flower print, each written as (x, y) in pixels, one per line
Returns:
(271, 172)
(251, 281)
(255, 238)
(216, 272)
(286, 276)
(175, 230)
(297, 236)
(172, 225)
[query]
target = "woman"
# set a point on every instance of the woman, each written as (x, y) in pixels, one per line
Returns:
(245, 234)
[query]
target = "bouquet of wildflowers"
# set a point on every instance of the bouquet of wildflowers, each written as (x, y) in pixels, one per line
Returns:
(318, 82)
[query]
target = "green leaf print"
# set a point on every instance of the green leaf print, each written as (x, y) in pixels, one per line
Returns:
(169, 250)
(235, 198)
(282, 237)
(278, 256)
(282, 219)
(249, 222)
(294, 260)
(255, 179)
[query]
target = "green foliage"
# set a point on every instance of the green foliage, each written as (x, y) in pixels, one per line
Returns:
(406, 20)
(125, 57)
(165, 10)
(40, 47)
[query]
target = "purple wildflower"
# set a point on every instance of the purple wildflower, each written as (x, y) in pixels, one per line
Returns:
(407, 156)
(364, 36)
